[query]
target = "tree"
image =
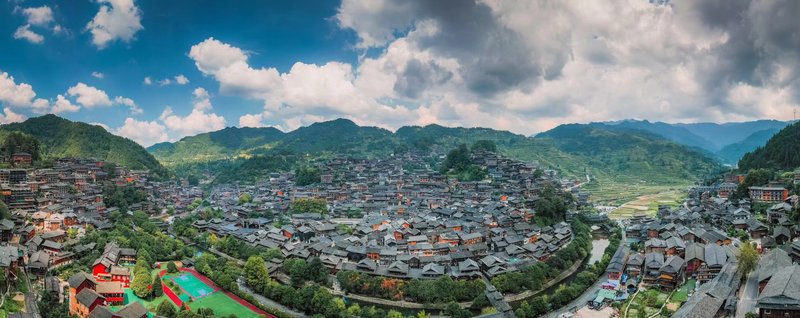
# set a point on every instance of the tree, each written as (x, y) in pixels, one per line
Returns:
(306, 176)
(141, 283)
(306, 205)
(166, 309)
(172, 268)
(141, 276)
(158, 290)
(394, 314)
(484, 145)
(256, 273)
(748, 258)
(4, 212)
(245, 198)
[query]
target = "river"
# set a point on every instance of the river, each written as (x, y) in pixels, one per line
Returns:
(599, 244)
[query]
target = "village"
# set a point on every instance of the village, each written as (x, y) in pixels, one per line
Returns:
(396, 220)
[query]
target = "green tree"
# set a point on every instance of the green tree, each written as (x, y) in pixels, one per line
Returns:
(306, 176)
(245, 198)
(172, 268)
(4, 212)
(484, 145)
(748, 258)
(158, 290)
(307, 205)
(256, 273)
(166, 309)
(394, 314)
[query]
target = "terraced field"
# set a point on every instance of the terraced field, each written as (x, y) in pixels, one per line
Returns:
(648, 204)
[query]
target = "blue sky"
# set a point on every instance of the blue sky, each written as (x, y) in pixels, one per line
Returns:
(275, 33)
(156, 71)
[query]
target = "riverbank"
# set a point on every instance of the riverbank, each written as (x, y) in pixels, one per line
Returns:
(514, 298)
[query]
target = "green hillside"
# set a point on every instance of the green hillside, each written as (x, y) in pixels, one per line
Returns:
(608, 156)
(60, 137)
(733, 152)
(781, 152)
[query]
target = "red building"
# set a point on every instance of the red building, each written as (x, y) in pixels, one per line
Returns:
(768, 194)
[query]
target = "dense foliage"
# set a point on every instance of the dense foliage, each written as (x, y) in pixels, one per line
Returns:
(136, 232)
(782, 152)
(122, 197)
(63, 138)
(551, 207)
(459, 163)
(421, 291)
(308, 205)
(306, 176)
(15, 141)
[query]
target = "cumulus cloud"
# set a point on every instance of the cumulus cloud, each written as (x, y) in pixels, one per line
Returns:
(128, 103)
(25, 33)
(147, 81)
(181, 79)
(18, 95)
(146, 133)
(251, 120)
(527, 66)
(9, 116)
(38, 16)
(63, 105)
(89, 96)
(115, 20)
(98, 75)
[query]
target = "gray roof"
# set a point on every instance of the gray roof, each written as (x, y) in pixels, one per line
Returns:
(783, 290)
(773, 261)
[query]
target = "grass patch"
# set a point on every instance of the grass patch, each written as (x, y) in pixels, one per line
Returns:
(223, 306)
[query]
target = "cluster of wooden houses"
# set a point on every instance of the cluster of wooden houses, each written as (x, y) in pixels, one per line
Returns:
(387, 219)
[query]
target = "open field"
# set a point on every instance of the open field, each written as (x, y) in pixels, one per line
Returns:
(648, 204)
(223, 306)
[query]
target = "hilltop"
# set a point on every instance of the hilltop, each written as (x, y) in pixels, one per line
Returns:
(60, 137)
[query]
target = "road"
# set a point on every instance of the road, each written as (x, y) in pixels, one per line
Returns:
(268, 302)
(748, 295)
(590, 292)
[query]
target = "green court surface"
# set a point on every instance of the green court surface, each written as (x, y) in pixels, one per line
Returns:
(192, 285)
(223, 306)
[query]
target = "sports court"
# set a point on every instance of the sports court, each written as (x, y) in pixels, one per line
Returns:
(191, 285)
(224, 306)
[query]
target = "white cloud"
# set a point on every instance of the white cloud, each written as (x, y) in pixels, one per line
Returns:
(251, 120)
(116, 20)
(13, 94)
(181, 79)
(63, 105)
(9, 116)
(146, 133)
(198, 121)
(98, 75)
(39, 16)
(164, 82)
(89, 96)
(24, 33)
(147, 81)
(129, 103)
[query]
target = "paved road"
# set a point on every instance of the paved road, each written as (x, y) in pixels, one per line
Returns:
(269, 302)
(748, 295)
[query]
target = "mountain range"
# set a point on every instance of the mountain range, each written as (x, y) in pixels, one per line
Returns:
(596, 151)
(621, 152)
(728, 142)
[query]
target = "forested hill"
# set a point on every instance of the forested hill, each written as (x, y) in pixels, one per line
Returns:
(631, 153)
(60, 137)
(782, 152)
(574, 150)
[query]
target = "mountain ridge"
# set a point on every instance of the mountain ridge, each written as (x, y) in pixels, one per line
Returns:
(61, 137)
